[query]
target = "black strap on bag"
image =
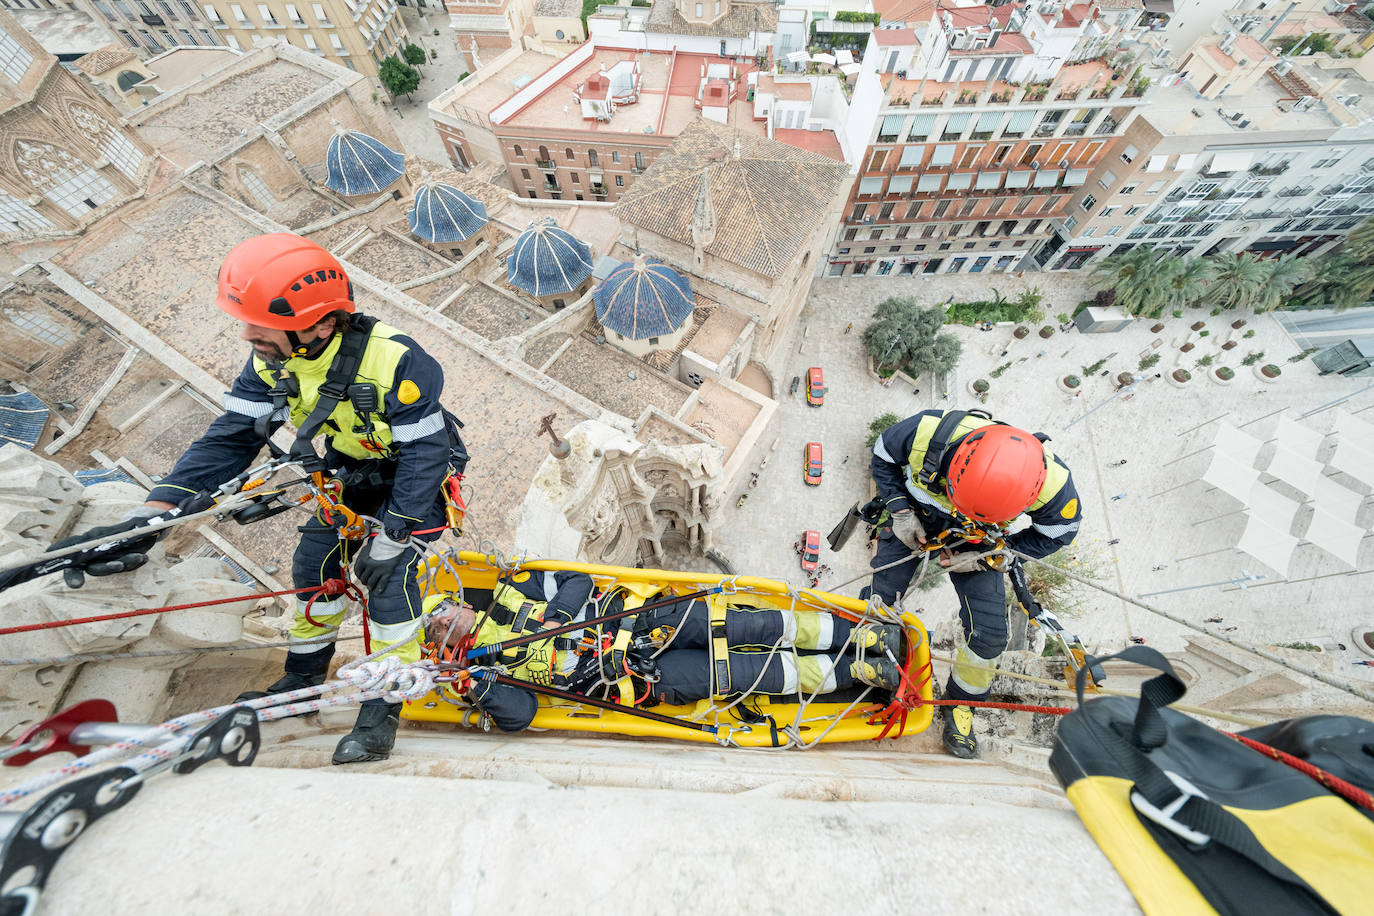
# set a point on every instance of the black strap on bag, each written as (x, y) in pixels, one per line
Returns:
(1186, 814)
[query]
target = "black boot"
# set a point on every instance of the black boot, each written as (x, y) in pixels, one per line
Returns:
(288, 681)
(373, 734)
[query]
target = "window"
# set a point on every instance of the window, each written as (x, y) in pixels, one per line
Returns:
(336, 43)
(1132, 211)
(150, 41)
(1129, 153)
(875, 234)
(836, 270)
(294, 15)
(1113, 230)
(1330, 158)
(870, 249)
(14, 58)
(238, 13)
(615, 155)
(310, 43)
(620, 181)
(1128, 189)
(1154, 188)
(525, 174)
(568, 153)
(266, 13)
(639, 161)
(1107, 211)
(1070, 223)
(320, 16)
(1003, 150)
(233, 42)
(1088, 202)
(576, 179)
(970, 154)
(519, 153)
(212, 14)
(911, 157)
(592, 159)
(1089, 232)
(699, 12)
(1108, 179)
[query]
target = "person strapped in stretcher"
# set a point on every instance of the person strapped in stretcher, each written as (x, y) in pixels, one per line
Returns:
(678, 653)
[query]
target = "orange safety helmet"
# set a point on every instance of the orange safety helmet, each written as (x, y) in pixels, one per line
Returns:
(282, 281)
(996, 473)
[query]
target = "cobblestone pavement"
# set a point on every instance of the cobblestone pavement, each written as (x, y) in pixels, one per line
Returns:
(1167, 518)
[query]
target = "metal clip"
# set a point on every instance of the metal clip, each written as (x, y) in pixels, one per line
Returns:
(40, 835)
(1164, 817)
(234, 736)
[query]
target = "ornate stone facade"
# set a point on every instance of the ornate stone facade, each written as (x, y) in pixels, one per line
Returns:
(66, 156)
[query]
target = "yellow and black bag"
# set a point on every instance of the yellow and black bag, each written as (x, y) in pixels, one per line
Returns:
(1196, 822)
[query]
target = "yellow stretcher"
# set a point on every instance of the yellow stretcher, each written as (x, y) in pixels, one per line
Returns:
(760, 722)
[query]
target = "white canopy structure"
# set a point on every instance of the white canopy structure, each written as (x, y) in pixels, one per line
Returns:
(824, 58)
(850, 70)
(1336, 536)
(1298, 471)
(798, 57)
(1297, 438)
(1269, 545)
(1353, 460)
(1336, 500)
(1231, 477)
(1357, 432)
(844, 56)
(1240, 447)
(1271, 507)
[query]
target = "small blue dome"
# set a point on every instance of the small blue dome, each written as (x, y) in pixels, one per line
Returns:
(445, 214)
(642, 299)
(547, 260)
(358, 164)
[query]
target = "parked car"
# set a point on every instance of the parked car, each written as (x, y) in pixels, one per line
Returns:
(811, 464)
(815, 387)
(811, 551)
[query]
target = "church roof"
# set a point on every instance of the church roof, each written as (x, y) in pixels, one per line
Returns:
(643, 298)
(359, 164)
(547, 260)
(443, 213)
(768, 197)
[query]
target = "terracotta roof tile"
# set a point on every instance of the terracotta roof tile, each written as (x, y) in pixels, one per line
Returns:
(103, 60)
(767, 201)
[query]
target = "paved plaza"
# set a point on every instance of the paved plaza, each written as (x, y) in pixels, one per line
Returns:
(1167, 518)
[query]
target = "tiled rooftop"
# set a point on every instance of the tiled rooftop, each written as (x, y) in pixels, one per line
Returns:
(492, 314)
(767, 199)
(600, 372)
(202, 123)
(388, 258)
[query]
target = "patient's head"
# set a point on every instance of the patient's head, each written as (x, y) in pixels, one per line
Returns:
(449, 622)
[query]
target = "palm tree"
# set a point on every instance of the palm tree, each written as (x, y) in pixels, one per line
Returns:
(1137, 278)
(1238, 280)
(1282, 275)
(1187, 282)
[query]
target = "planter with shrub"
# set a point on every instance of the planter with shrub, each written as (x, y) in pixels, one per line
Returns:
(1268, 372)
(1238, 323)
(1047, 332)
(1197, 325)
(979, 387)
(1156, 327)
(1188, 347)
(1124, 378)
(1179, 377)
(1222, 375)
(1229, 345)
(1021, 332)
(1070, 384)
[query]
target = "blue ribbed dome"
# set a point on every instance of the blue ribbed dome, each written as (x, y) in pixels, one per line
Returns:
(445, 214)
(642, 299)
(547, 260)
(358, 164)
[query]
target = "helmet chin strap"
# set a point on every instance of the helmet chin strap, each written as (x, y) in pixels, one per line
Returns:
(307, 350)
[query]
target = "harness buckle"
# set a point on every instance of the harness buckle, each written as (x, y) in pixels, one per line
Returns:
(1165, 817)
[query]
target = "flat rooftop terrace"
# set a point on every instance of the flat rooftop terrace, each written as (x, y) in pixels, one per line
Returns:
(669, 84)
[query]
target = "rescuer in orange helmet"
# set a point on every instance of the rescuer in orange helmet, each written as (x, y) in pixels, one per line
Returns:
(940, 469)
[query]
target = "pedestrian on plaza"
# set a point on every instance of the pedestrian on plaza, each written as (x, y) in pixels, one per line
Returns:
(1160, 567)
(1118, 497)
(846, 460)
(915, 391)
(849, 327)
(1003, 353)
(1119, 463)
(1113, 542)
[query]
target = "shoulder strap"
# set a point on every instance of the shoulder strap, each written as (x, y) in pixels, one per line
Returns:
(939, 444)
(340, 375)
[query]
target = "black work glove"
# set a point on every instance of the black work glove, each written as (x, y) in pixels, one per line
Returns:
(379, 560)
(119, 557)
(613, 665)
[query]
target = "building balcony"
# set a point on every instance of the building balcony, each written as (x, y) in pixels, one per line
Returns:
(1107, 126)
(552, 186)
(1295, 192)
(152, 20)
(599, 191)
(1075, 130)
(546, 163)
(1278, 169)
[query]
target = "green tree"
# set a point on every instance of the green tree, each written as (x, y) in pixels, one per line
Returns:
(1238, 281)
(1343, 278)
(398, 76)
(1281, 276)
(413, 54)
(907, 335)
(1186, 282)
(878, 425)
(1138, 279)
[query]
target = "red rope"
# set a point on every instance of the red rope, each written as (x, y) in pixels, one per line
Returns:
(1351, 793)
(328, 587)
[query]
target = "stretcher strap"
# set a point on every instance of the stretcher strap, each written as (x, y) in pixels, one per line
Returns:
(720, 647)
